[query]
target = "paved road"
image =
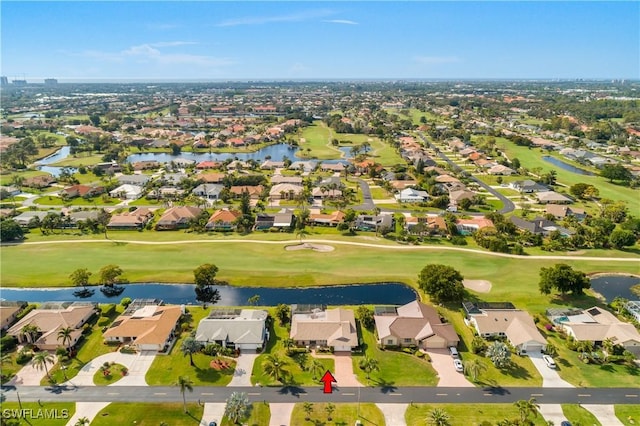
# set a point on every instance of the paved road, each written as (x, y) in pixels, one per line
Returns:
(388, 394)
(507, 204)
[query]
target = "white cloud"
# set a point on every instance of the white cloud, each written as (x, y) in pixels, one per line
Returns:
(436, 60)
(341, 21)
(260, 20)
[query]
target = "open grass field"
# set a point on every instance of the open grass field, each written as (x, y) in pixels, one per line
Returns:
(414, 372)
(344, 414)
(81, 159)
(52, 414)
(629, 415)
(578, 415)
(317, 142)
(260, 415)
(149, 414)
(166, 369)
(52, 200)
(5, 178)
(467, 414)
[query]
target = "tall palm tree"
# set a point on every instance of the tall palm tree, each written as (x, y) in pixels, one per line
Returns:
(275, 367)
(316, 368)
(83, 421)
(40, 361)
(189, 347)
(438, 417)
(368, 365)
(526, 408)
(186, 384)
(64, 334)
(473, 368)
(31, 331)
(302, 233)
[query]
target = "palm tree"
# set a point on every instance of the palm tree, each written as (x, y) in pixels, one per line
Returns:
(329, 408)
(526, 407)
(274, 367)
(551, 349)
(438, 417)
(302, 233)
(64, 334)
(368, 365)
(308, 408)
(238, 407)
(185, 384)
(473, 368)
(316, 368)
(83, 421)
(40, 361)
(31, 331)
(189, 347)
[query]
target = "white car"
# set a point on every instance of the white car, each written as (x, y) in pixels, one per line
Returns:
(453, 351)
(549, 361)
(458, 365)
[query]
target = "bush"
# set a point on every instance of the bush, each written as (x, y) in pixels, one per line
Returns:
(458, 240)
(25, 311)
(212, 349)
(23, 357)
(7, 343)
(103, 322)
(108, 310)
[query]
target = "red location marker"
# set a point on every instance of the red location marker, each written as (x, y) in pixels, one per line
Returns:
(327, 379)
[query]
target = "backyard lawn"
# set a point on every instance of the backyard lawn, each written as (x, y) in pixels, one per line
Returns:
(149, 414)
(414, 372)
(467, 414)
(344, 414)
(166, 369)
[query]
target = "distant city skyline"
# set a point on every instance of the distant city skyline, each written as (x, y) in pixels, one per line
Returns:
(225, 41)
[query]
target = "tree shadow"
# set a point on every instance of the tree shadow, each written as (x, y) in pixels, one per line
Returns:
(607, 367)
(385, 386)
(496, 390)
(515, 370)
(292, 390)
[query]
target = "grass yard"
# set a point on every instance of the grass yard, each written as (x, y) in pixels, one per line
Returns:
(166, 369)
(116, 373)
(5, 178)
(629, 415)
(81, 159)
(149, 414)
(296, 366)
(467, 414)
(579, 416)
(52, 200)
(91, 346)
(52, 414)
(414, 372)
(260, 415)
(344, 414)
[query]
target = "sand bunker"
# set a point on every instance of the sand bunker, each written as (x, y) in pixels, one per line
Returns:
(309, 246)
(481, 286)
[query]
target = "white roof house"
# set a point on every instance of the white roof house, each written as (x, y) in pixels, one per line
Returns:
(242, 329)
(127, 192)
(410, 195)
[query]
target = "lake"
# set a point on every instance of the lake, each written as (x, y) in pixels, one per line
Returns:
(566, 166)
(61, 154)
(276, 152)
(353, 294)
(612, 286)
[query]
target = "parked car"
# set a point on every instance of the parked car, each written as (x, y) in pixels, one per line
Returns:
(549, 361)
(454, 352)
(458, 365)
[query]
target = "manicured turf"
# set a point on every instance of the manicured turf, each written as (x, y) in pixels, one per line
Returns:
(44, 414)
(344, 414)
(148, 414)
(81, 159)
(166, 369)
(467, 414)
(318, 143)
(51, 200)
(414, 372)
(629, 415)
(260, 415)
(579, 416)
(116, 374)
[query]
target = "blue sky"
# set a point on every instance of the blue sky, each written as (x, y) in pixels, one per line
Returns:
(151, 40)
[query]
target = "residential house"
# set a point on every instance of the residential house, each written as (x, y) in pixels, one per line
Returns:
(49, 319)
(493, 320)
(332, 167)
(596, 325)
(285, 191)
(561, 212)
(469, 226)
(527, 186)
(320, 193)
(211, 177)
(413, 325)
(9, 311)
(501, 170)
(270, 165)
(82, 216)
(127, 192)
(203, 165)
(85, 191)
(633, 307)
(209, 191)
(410, 195)
(133, 220)
(177, 217)
(284, 220)
(429, 225)
(24, 218)
(136, 179)
(243, 329)
(462, 194)
(255, 191)
(327, 219)
(318, 327)
(366, 222)
(40, 181)
(306, 166)
(546, 197)
(146, 324)
(174, 179)
(278, 179)
(541, 226)
(223, 220)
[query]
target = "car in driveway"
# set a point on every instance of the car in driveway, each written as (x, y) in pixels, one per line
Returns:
(458, 365)
(454, 352)
(549, 361)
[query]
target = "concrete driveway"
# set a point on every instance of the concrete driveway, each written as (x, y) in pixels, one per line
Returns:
(280, 414)
(552, 413)
(550, 376)
(86, 409)
(213, 412)
(442, 362)
(394, 413)
(29, 375)
(138, 365)
(244, 367)
(344, 375)
(604, 413)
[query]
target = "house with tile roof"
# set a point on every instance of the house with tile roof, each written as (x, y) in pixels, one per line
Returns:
(321, 328)
(223, 220)
(243, 329)
(177, 217)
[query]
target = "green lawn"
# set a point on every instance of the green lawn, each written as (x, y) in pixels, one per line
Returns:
(52, 200)
(81, 159)
(579, 416)
(166, 369)
(91, 346)
(149, 414)
(317, 142)
(5, 178)
(629, 415)
(344, 414)
(260, 415)
(296, 367)
(467, 414)
(116, 374)
(414, 372)
(52, 414)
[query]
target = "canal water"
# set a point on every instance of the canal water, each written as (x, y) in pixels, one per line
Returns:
(352, 294)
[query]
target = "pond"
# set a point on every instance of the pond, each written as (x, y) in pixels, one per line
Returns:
(566, 166)
(275, 152)
(612, 286)
(352, 294)
(61, 154)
